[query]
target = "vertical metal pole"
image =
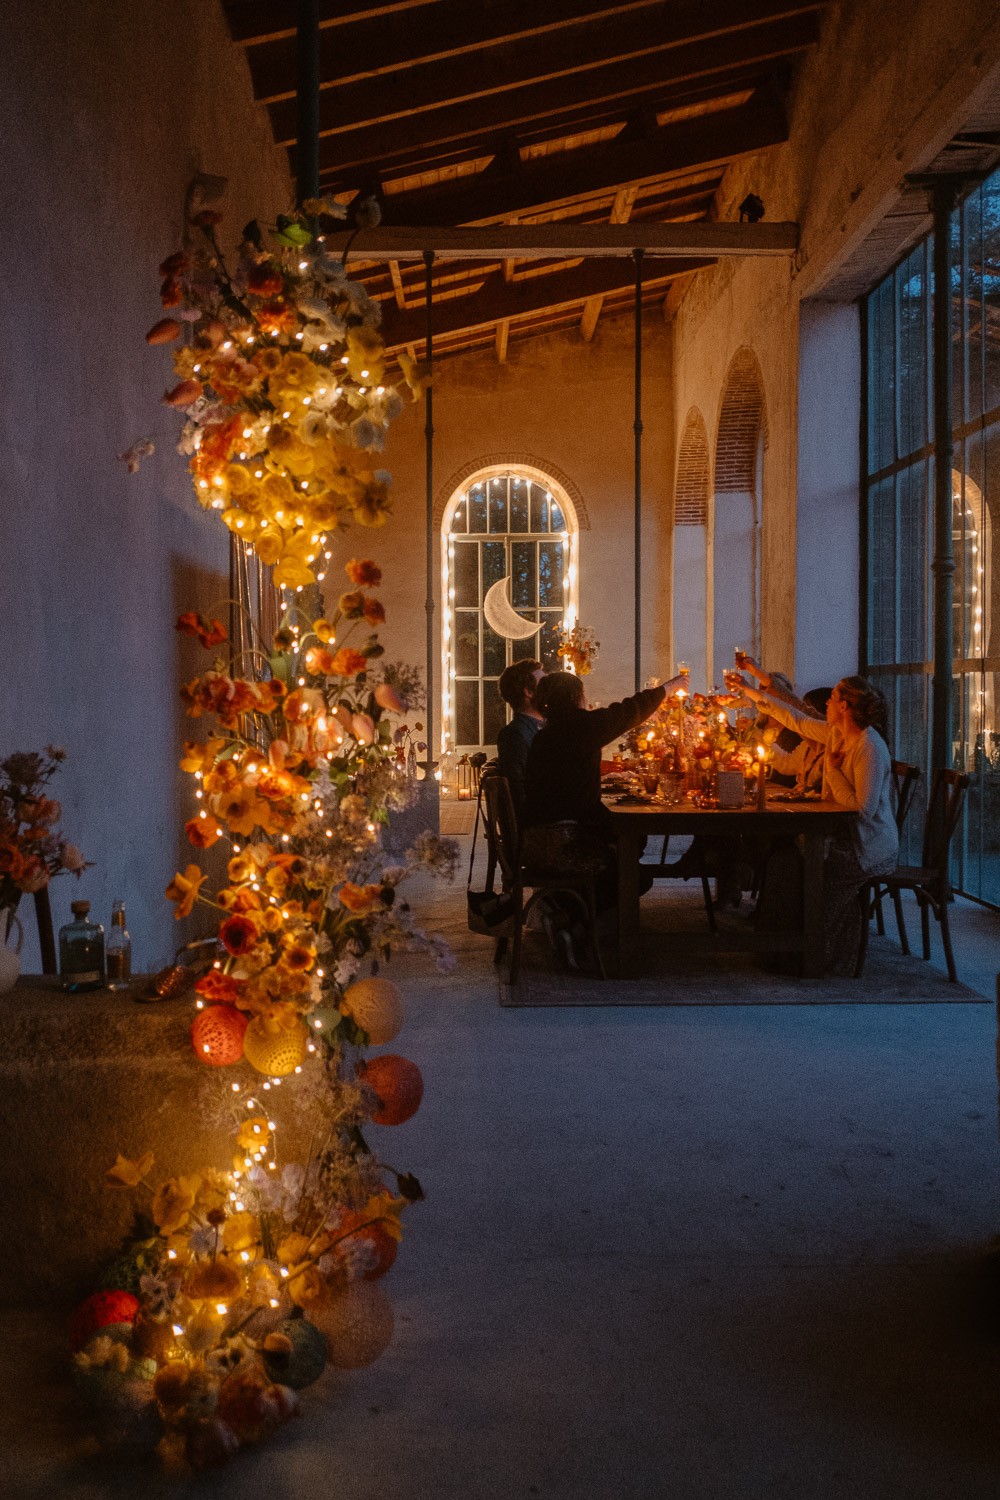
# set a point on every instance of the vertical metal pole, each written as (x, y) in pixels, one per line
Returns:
(307, 101)
(637, 429)
(943, 196)
(429, 505)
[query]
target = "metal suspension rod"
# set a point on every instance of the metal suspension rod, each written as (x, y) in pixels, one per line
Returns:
(943, 195)
(307, 101)
(429, 505)
(637, 430)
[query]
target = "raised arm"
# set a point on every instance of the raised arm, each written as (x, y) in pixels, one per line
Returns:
(606, 724)
(775, 690)
(805, 724)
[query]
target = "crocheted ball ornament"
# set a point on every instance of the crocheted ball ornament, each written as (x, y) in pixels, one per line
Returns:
(357, 1325)
(217, 1034)
(376, 1005)
(94, 1315)
(397, 1085)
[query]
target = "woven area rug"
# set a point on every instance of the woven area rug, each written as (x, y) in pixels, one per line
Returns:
(669, 977)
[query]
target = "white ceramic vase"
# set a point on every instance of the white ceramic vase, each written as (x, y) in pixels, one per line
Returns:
(10, 957)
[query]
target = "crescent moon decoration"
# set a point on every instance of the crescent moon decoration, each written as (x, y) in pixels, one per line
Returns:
(502, 617)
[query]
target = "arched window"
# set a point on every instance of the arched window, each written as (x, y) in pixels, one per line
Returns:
(501, 526)
(738, 519)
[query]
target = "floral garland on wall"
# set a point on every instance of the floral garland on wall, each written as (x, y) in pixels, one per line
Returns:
(245, 1280)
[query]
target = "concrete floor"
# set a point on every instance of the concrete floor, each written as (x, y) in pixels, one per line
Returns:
(665, 1252)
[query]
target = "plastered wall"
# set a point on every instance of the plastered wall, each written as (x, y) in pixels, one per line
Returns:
(885, 89)
(106, 111)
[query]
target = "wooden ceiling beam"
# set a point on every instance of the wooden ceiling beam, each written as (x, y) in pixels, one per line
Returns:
(498, 301)
(433, 108)
(604, 167)
(560, 240)
(454, 31)
(620, 213)
(256, 23)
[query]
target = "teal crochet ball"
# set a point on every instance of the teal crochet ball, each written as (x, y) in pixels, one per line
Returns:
(304, 1362)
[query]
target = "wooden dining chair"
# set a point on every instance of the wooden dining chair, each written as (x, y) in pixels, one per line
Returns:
(930, 880)
(904, 784)
(518, 877)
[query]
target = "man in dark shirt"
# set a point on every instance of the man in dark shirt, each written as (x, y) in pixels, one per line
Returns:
(563, 778)
(517, 688)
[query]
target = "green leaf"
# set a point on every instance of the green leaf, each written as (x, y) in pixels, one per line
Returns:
(291, 232)
(409, 1187)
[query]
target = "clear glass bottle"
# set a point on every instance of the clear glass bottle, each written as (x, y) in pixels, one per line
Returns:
(81, 951)
(118, 950)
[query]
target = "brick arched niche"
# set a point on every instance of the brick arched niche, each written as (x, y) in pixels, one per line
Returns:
(737, 511)
(540, 470)
(692, 495)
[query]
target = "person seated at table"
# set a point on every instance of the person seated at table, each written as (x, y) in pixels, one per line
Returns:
(517, 686)
(563, 775)
(801, 765)
(857, 775)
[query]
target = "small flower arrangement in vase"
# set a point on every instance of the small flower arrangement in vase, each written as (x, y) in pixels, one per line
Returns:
(578, 649)
(32, 850)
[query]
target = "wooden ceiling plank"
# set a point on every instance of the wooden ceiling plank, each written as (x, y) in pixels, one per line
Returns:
(496, 301)
(442, 110)
(396, 154)
(259, 22)
(503, 331)
(397, 283)
(621, 210)
(591, 313)
(562, 241)
(547, 180)
(453, 32)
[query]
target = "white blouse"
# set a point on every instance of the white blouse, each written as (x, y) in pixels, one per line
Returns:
(862, 783)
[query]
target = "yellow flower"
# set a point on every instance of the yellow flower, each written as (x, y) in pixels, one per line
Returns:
(269, 546)
(184, 890)
(253, 1133)
(127, 1173)
(324, 631)
(173, 1202)
(271, 919)
(298, 373)
(240, 1232)
(240, 869)
(277, 493)
(198, 756)
(238, 479)
(291, 573)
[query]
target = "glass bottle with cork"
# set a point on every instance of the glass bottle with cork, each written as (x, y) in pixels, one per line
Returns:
(81, 951)
(118, 950)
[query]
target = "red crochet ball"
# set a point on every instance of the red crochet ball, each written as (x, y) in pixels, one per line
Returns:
(397, 1085)
(97, 1312)
(217, 1035)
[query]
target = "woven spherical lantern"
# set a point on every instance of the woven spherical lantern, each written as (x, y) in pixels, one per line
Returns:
(357, 1325)
(217, 1034)
(295, 1353)
(377, 1007)
(397, 1086)
(275, 1049)
(99, 1310)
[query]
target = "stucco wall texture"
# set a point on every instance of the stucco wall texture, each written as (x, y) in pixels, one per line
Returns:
(881, 94)
(106, 112)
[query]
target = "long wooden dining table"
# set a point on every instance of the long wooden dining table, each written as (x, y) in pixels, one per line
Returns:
(811, 822)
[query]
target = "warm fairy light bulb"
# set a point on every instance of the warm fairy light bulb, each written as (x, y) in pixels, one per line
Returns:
(284, 1270)
(199, 1005)
(236, 1088)
(171, 1255)
(238, 1206)
(178, 1330)
(244, 1255)
(221, 1309)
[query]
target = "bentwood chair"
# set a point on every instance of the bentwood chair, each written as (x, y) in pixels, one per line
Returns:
(518, 876)
(930, 881)
(904, 784)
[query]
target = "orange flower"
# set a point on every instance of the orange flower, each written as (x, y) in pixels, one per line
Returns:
(352, 605)
(374, 611)
(184, 890)
(264, 280)
(238, 934)
(209, 632)
(348, 662)
(297, 958)
(218, 988)
(363, 572)
(11, 861)
(360, 900)
(202, 832)
(319, 662)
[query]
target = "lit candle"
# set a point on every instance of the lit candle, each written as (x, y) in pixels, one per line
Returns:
(761, 784)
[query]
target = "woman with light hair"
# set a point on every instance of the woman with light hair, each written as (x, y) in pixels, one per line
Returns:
(857, 774)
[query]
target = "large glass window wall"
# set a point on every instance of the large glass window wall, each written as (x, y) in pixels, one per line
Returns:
(899, 521)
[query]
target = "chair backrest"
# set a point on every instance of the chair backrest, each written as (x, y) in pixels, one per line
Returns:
(500, 825)
(904, 784)
(944, 809)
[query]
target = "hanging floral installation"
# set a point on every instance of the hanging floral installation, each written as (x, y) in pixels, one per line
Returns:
(32, 850)
(246, 1280)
